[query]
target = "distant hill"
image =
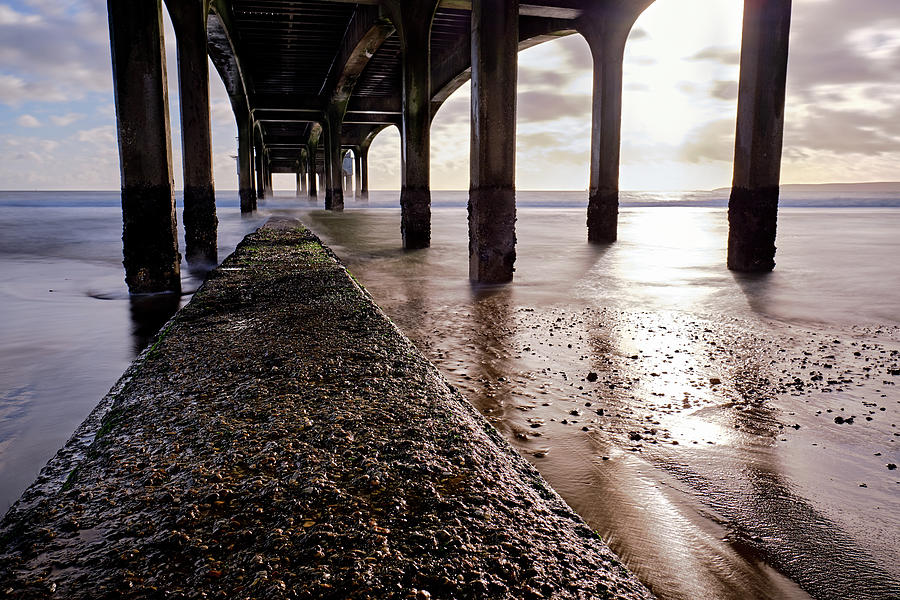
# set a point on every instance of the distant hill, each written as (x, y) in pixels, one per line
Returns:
(869, 186)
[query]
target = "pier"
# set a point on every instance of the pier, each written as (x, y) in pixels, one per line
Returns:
(280, 438)
(311, 79)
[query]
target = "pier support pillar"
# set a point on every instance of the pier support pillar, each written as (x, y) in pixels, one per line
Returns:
(492, 164)
(245, 160)
(364, 171)
(606, 34)
(259, 163)
(301, 175)
(200, 222)
(413, 19)
(334, 193)
(753, 206)
(150, 235)
(313, 170)
(357, 173)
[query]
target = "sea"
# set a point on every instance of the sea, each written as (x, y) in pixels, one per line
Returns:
(730, 436)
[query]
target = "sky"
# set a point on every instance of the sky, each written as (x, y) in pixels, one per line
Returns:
(842, 115)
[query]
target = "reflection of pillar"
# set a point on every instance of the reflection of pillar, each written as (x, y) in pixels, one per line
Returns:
(413, 19)
(753, 207)
(606, 36)
(312, 173)
(200, 222)
(334, 194)
(150, 237)
(245, 160)
(492, 194)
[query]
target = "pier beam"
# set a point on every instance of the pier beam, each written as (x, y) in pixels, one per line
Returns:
(606, 33)
(334, 193)
(245, 160)
(313, 171)
(753, 206)
(150, 235)
(413, 19)
(492, 163)
(200, 222)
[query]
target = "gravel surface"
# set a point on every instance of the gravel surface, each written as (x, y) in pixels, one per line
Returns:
(282, 439)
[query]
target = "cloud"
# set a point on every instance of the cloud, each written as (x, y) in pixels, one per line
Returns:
(726, 56)
(12, 89)
(712, 141)
(536, 106)
(724, 90)
(9, 16)
(104, 136)
(535, 78)
(66, 119)
(57, 54)
(28, 121)
(638, 33)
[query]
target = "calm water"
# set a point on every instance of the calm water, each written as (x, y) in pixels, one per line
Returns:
(691, 448)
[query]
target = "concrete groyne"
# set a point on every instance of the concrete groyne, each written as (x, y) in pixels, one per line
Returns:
(282, 439)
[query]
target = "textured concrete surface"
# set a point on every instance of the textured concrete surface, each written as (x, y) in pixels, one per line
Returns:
(282, 439)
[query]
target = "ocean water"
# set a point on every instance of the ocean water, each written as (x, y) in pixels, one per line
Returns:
(689, 414)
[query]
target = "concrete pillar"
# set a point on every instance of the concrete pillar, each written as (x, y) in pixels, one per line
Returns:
(334, 193)
(200, 222)
(313, 171)
(302, 168)
(606, 37)
(270, 190)
(245, 161)
(364, 172)
(753, 207)
(357, 174)
(347, 175)
(150, 235)
(413, 19)
(259, 164)
(492, 164)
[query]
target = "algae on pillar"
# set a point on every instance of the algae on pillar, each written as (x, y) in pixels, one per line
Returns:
(200, 222)
(150, 235)
(753, 206)
(492, 164)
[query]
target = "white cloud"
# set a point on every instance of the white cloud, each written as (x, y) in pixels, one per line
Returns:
(66, 119)
(104, 136)
(9, 16)
(28, 121)
(12, 89)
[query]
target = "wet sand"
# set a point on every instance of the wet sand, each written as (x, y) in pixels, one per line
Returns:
(720, 455)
